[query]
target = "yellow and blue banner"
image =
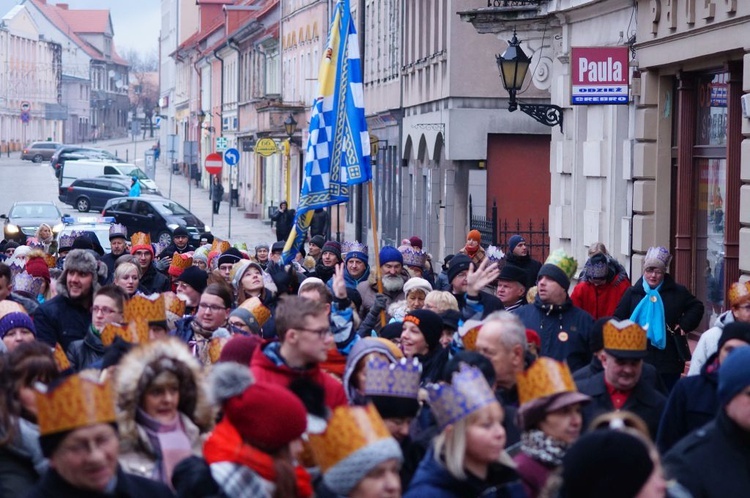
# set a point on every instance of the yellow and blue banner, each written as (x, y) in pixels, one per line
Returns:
(338, 147)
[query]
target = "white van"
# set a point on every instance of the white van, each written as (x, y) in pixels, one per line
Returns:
(73, 170)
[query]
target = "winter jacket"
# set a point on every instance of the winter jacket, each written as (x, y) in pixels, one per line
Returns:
(217, 192)
(85, 352)
(61, 319)
(644, 400)
(534, 474)
(441, 283)
(713, 461)
(599, 300)
(433, 480)
(680, 308)
(268, 366)
(30, 305)
(368, 289)
(692, 404)
(564, 331)
(648, 374)
(708, 344)
(172, 248)
(128, 486)
(319, 223)
(284, 222)
(153, 281)
(21, 461)
(530, 266)
(109, 259)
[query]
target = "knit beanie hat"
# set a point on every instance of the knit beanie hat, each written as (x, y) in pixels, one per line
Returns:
(37, 267)
(474, 235)
(180, 232)
(559, 267)
(429, 323)
(389, 254)
(417, 283)
(392, 330)
(734, 374)
(416, 242)
(334, 248)
(318, 240)
(597, 267)
(459, 263)
(262, 245)
(735, 330)
(15, 319)
(231, 256)
(607, 463)
(240, 348)
(514, 241)
(195, 278)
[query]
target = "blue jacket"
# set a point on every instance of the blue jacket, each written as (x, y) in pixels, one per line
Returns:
(564, 331)
(433, 479)
(135, 190)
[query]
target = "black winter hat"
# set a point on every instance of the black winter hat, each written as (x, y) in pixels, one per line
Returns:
(735, 330)
(392, 331)
(318, 240)
(195, 278)
(334, 248)
(459, 263)
(512, 273)
(450, 319)
(555, 273)
(429, 323)
(395, 407)
(180, 232)
(231, 256)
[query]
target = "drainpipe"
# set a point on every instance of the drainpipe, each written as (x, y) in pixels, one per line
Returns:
(233, 45)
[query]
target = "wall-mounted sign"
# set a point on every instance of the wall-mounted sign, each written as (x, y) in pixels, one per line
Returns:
(599, 75)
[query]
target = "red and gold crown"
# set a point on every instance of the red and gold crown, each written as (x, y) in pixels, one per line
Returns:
(624, 337)
(215, 345)
(75, 402)
(543, 378)
(739, 292)
(467, 393)
(140, 239)
(135, 332)
(398, 380)
(174, 304)
(50, 260)
(180, 263)
(220, 245)
(469, 332)
(61, 359)
(145, 308)
(256, 308)
(350, 429)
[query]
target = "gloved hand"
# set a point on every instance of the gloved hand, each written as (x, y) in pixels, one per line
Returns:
(280, 276)
(162, 265)
(380, 304)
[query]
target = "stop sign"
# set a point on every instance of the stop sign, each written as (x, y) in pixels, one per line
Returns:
(213, 163)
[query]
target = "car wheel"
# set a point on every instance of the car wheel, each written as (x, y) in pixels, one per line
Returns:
(37, 158)
(83, 205)
(165, 238)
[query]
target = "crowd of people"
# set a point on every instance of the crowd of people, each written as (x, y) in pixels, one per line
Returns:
(219, 371)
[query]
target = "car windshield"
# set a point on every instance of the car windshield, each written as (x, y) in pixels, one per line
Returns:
(101, 231)
(42, 211)
(169, 208)
(133, 171)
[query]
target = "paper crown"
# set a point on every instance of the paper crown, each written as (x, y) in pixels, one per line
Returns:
(16, 268)
(118, 230)
(544, 377)
(355, 246)
(624, 336)
(140, 239)
(34, 243)
(220, 245)
(494, 253)
(657, 256)
(148, 308)
(180, 263)
(739, 292)
(160, 247)
(469, 331)
(413, 257)
(467, 393)
(566, 263)
(242, 246)
(75, 402)
(398, 380)
(350, 429)
(135, 332)
(50, 260)
(174, 304)
(7, 306)
(215, 345)
(28, 284)
(61, 359)
(65, 242)
(256, 308)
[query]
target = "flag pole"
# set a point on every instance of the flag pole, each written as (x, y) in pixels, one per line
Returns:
(374, 218)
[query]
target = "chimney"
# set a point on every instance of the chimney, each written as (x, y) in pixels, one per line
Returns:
(63, 6)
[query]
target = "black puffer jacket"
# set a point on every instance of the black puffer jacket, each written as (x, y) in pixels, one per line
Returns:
(84, 353)
(153, 281)
(61, 319)
(680, 308)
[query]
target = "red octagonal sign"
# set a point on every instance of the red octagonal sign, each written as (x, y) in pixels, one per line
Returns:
(213, 163)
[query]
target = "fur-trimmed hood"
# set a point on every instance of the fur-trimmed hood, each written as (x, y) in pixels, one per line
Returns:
(129, 383)
(82, 260)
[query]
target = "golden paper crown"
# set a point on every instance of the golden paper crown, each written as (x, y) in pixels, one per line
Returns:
(50, 260)
(256, 308)
(75, 402)
(739, 292)
(467, 393)
(560, 259)
(145, 308)
(351, 428)
(469, 332)
(624, 336)
(174, 304)
(135, 332)
(215, 345)
(180, 263)
(399, 380)
(544, 377)
(7, 306)
(61, 359)
(140, 239)
(220, 246)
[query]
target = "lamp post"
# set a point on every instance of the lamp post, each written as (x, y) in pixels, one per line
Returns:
(513, 65)
(290, 126)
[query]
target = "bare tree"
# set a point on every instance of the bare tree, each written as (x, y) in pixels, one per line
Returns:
(144, 86)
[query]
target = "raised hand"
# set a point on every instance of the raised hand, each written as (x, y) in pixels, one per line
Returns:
(339, 284)
(477, 279)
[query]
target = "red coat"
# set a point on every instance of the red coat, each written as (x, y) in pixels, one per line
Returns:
(534, 474)
(265, 369)
(599, 300)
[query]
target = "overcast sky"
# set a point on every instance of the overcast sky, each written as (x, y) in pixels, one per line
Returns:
(136, 22)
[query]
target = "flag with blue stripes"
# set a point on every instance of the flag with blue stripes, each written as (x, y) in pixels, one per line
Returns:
(338, 147)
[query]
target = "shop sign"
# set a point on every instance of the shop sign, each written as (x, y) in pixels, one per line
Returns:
(599, 75)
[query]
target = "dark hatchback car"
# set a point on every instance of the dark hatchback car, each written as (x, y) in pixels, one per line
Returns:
(86, 194)
(155, 215)
(75, 153)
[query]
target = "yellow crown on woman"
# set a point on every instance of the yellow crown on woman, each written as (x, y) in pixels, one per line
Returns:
(151, 309)
(75, 402)
(543, 378)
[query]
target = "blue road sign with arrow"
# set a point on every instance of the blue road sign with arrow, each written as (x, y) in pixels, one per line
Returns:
(232, 156)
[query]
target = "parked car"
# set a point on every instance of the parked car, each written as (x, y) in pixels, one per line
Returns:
(73, 170)
(76, 153)
(86, 194)
(98, 225)
(39, 151)
(24, 218)
(156, 216)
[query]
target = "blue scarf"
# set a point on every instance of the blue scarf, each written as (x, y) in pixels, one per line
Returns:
(649, 314)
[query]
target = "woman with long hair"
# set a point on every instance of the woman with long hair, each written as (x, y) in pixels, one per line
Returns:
(46, 237)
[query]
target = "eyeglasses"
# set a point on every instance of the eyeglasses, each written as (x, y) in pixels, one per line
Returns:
(104, 310)
(654, 271)
(239, 324)
(211, 307)
(320, 332)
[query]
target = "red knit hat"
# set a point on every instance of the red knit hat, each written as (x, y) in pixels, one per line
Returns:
(475, 235)
(267, 416)
(240, 349)
(37, 267)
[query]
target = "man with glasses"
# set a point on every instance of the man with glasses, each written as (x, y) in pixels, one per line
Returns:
(209, 321)
(151, 280)
(109, 302)
(304, 340)
(67, 316)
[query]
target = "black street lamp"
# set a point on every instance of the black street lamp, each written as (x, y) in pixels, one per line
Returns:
(290, 126)
(513, 65)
